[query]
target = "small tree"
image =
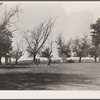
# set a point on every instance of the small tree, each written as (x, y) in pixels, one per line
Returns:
(47, 52)
(93, 51)
(63, 48)
(38, 38)
(81, 47)
(17, 53)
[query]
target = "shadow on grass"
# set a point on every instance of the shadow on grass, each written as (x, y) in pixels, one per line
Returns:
(13, 66)
(39, 81)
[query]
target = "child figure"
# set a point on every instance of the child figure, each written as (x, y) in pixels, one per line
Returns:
(49, 62)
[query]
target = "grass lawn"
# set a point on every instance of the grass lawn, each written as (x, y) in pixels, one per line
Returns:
(69, 76)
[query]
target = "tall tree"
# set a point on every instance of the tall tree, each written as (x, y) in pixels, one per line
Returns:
(95, 39)
(5, 42)
(81, 47)
(96, 33)
(5, 32)
(63, 48)
(38, 38)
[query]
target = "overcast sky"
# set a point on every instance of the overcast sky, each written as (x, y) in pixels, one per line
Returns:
(73, 18)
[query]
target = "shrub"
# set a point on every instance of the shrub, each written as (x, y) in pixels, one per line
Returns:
(70, 61)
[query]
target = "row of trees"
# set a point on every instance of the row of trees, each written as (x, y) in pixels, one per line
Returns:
(81, 47)
(35, 40)
(78, 47)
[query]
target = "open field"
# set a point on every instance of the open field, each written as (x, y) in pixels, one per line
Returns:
(69, 76)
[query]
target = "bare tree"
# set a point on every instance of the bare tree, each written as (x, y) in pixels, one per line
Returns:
(38, 38)
(17, 52)
(8, 15)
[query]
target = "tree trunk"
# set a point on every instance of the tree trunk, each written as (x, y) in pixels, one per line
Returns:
(0, 60)
(16, 62)
(80, 59)
(49, 62)
(6, 60)
(34, 59)
(95, 59)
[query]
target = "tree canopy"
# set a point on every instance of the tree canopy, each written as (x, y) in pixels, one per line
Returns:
(47, 52)
(95, 33)
(5, 32)
(63, 48)
(81, 47)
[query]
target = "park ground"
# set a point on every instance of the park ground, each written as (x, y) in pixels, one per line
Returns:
(69, 76)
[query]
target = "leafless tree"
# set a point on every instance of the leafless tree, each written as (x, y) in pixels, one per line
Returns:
(17, 52)
(38, 37)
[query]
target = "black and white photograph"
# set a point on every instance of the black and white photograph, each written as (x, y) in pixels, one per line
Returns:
(50, 45)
